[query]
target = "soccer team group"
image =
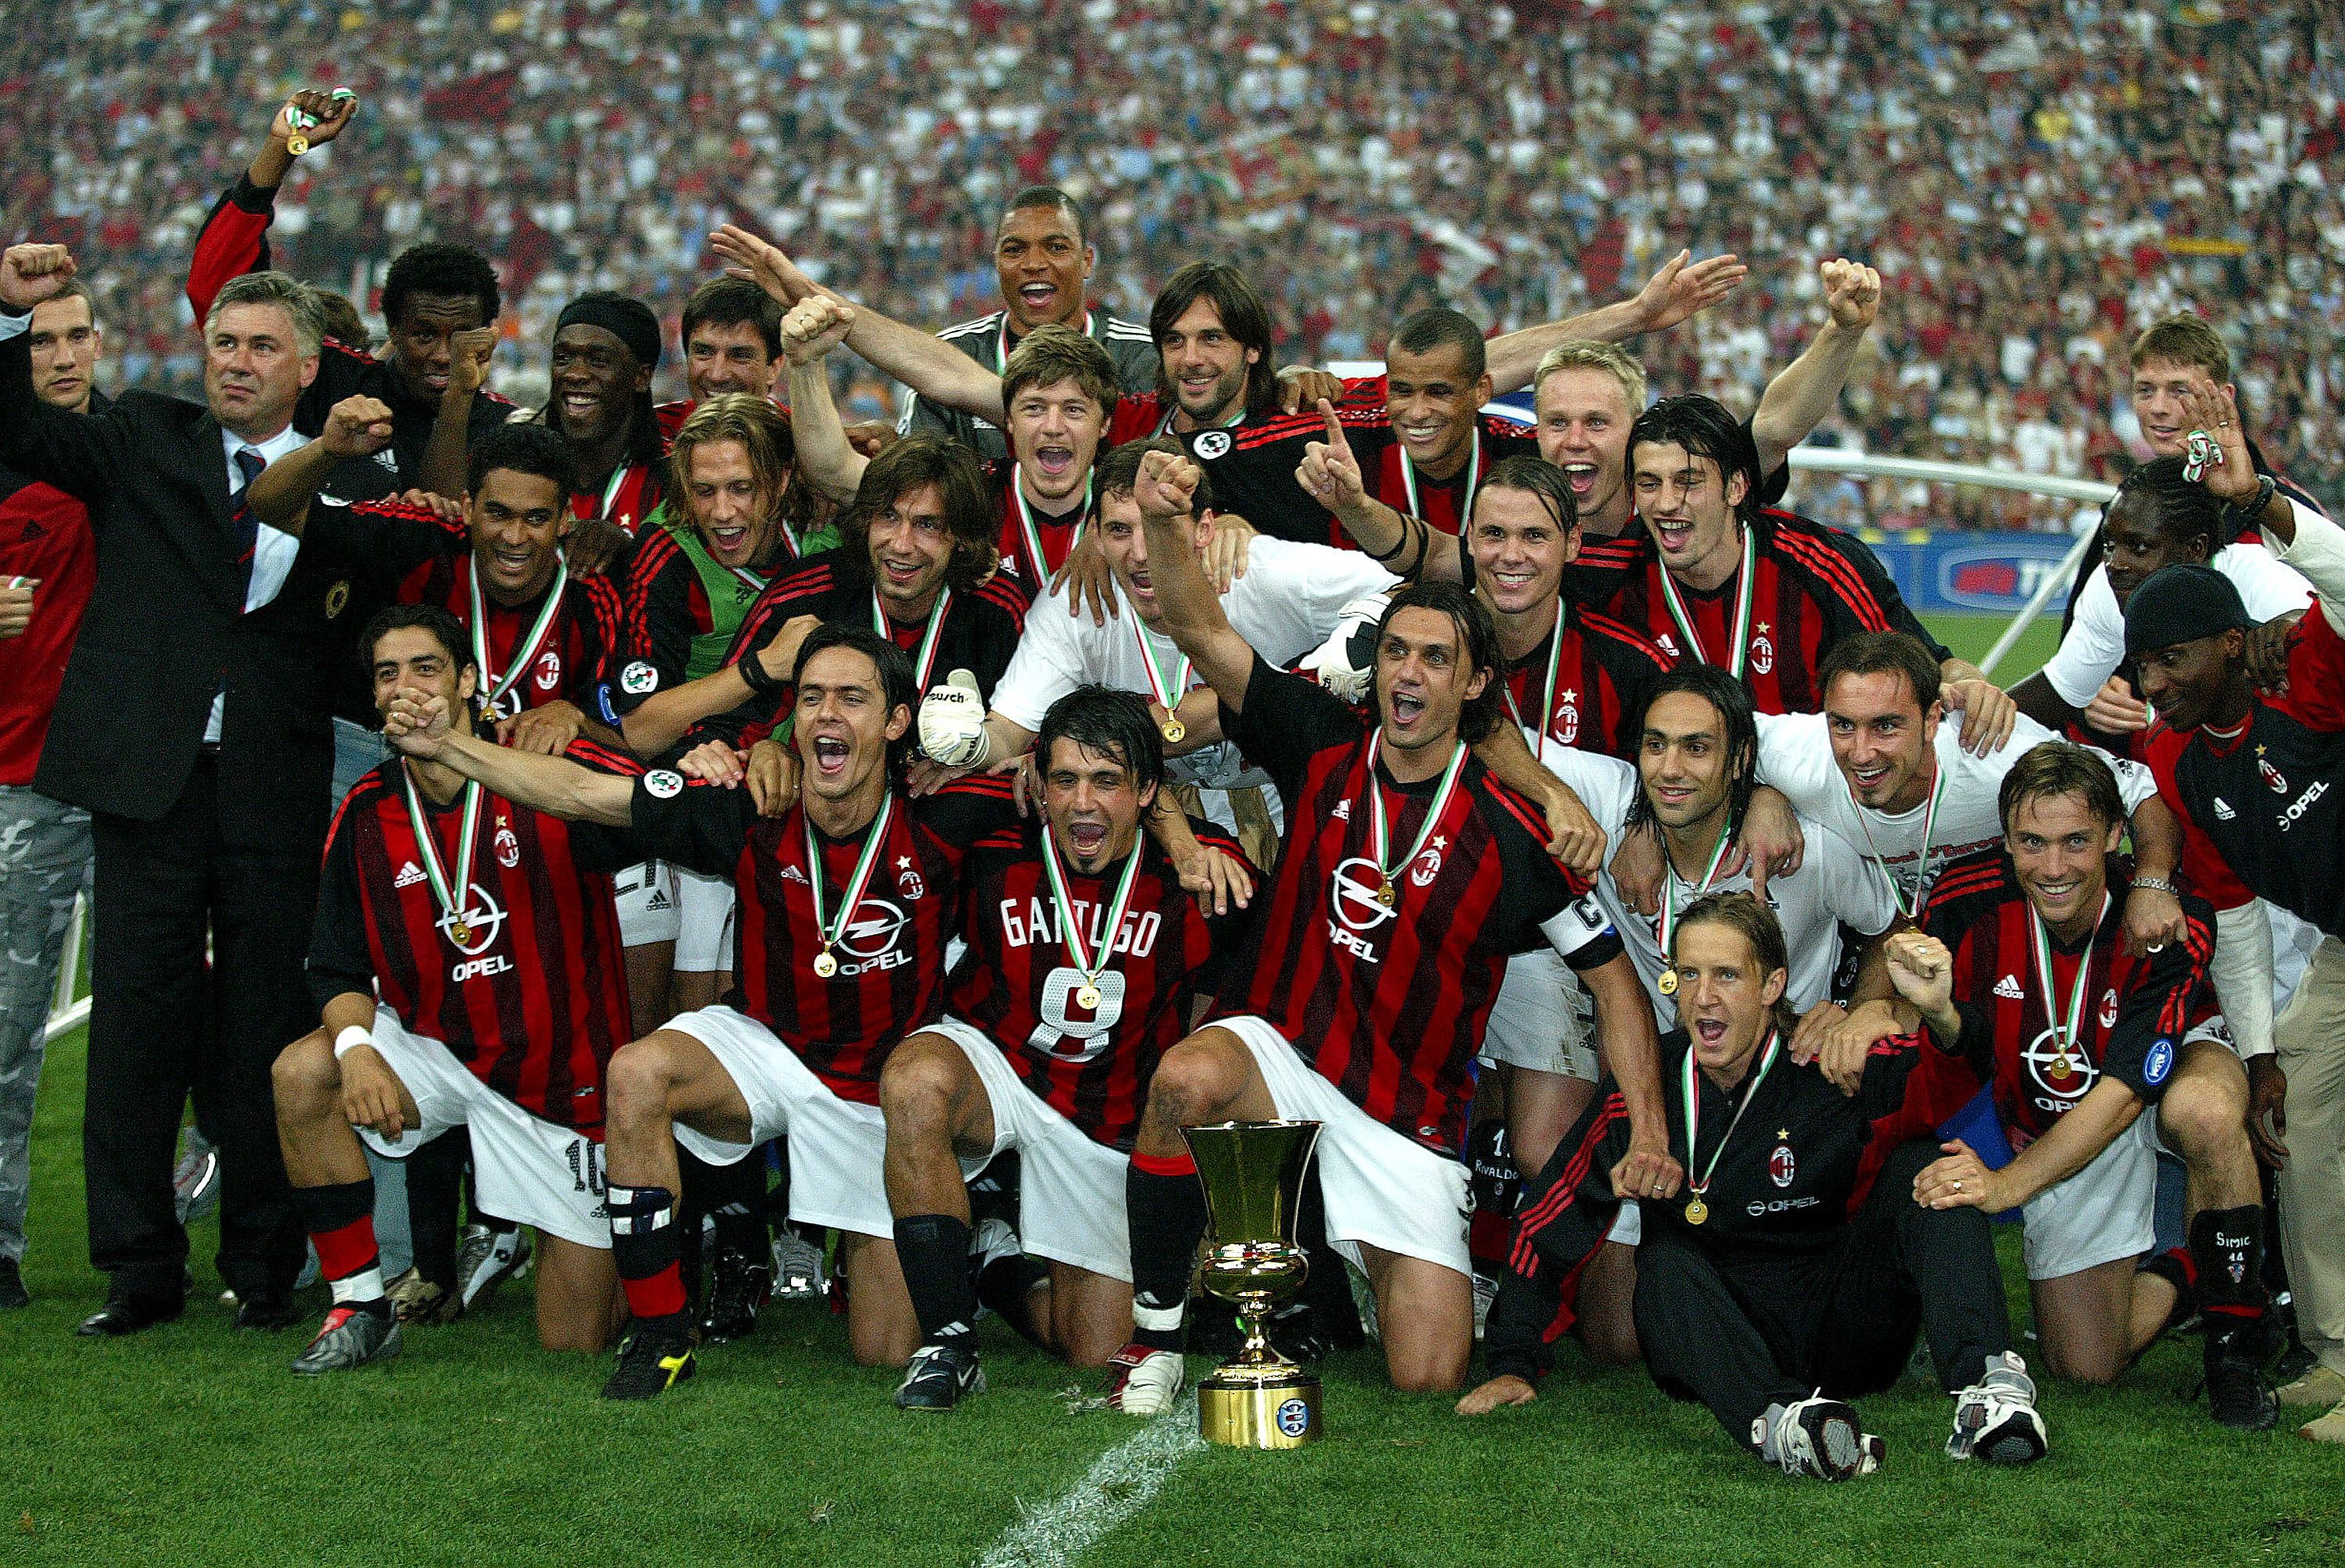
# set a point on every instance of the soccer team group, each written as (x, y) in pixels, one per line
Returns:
(1683, 951)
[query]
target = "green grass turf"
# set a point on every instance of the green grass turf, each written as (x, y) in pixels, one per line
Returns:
(191, 1443)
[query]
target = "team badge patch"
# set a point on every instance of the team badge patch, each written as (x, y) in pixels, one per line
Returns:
(1211, 445)
(338, 599)
(2158, 1063)
(638, 678)
(1762, 651)
(549, 670)
(2109, 1009)
(662, 784)
(1293, 1415)
(1782, 1166)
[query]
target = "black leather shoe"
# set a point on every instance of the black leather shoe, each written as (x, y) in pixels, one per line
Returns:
(269, 1314)
(124, 1315)
(13, 1294)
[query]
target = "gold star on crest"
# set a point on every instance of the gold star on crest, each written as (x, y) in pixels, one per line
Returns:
(1760, 628)
(1567, 695)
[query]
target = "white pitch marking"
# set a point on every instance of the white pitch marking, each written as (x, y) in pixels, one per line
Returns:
(1118, 1484)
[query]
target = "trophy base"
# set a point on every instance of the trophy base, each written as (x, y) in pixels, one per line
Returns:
(1274, 1408)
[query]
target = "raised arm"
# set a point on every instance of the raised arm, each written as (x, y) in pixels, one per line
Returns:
(417, 723)
(1192, 611)
(1682, 287)
(814, 327)
(81, 454)
(1407, 546)
(281, 497)
(234, 238)
(1807, 389)
(929, 366)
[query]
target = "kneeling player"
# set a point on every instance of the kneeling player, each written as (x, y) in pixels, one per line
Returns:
(1084, 961)
(488, 931)
(1791, 1277)
(2024, 970)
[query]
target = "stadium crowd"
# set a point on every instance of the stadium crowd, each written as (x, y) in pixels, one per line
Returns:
(2035, 181)
(752, 825)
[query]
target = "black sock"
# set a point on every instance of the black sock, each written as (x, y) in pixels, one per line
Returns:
(2227, 1248)
(435, 1185)
(644, 1248)
(1165, 1205)
(1006, 1286)
(933, 1251)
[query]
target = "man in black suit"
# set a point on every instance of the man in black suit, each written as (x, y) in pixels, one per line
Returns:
(193, 726)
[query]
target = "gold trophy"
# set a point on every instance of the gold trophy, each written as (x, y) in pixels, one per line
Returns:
(1253, 1173)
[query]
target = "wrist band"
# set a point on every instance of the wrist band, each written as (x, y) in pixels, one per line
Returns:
(753, 675)
(349, 1039)
(2158, 885)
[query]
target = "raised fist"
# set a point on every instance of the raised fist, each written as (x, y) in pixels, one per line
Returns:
(815, 325)
(952, 721)
(357, 427)
(1851, 292)
(1165, 485)
(32, 273)
(313, 116)
(470, 353)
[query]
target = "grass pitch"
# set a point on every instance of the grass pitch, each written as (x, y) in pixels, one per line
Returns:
(192, 1443)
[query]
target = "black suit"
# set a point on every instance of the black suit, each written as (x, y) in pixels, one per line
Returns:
(192, 840)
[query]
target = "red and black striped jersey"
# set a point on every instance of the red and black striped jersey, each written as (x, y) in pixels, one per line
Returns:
(1443, 503)
(890, 948)
(1250, 466)
(527, 983)
(631, 494)
(2136, 1009)
(1604, 677)
(2262, 813)
(1816, 586)
(980, 630)
(672, 414)
(1388, 1002)
(1056, 534)
(1019, 984)
(428, 562)
(674, 628)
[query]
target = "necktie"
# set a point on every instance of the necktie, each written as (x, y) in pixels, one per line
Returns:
(246, 526)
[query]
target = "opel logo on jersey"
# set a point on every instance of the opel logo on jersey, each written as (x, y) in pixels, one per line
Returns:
(474, 930)
(873, 931)
(1356, 883)
(2063, 1074)
(1211, 445)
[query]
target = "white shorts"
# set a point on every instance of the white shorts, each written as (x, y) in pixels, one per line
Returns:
(1628, 1223)
(837, 1146)
(646, 903)
(1540, 1018)
(1381, 1189)
(1070, 1185)
(527, 1168)
(704, 905)
(2103, 1213)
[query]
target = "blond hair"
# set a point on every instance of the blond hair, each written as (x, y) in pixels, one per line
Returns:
(1591, 354)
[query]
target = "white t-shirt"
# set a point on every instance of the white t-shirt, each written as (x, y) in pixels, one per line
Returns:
(1834, 883)
(2095, 644)
(1795, 756)
(1285, 607)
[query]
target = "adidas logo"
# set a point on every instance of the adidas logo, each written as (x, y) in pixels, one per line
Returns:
(32, 531)
(1343, 811)
(792, 874)
(2223, 812)
(2009, 986)
(408, 875)
(660, 901)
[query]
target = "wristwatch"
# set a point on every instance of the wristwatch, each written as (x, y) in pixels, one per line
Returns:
(2266, 488)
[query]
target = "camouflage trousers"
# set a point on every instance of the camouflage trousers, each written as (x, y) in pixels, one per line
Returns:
(45, 861)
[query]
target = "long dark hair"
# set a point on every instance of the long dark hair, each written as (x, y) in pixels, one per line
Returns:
(1741, 735)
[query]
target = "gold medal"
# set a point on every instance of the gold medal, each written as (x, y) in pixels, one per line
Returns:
(825, 966)
(1089, 996)
(1387, 892)
(1696, 1211)
(1668, 981)
(1174, 731)
(460, 934)
(297, 144)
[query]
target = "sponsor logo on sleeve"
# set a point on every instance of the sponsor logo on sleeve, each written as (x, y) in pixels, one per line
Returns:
(662, 784)
(2158, 1063)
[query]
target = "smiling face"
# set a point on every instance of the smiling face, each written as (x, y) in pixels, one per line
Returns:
(1690, 507)
(254, 369)
(1055, 429)
(66, 343)
(422, 340)
(1125, 543)
(735, 518)
(1424, 677)
(1682, 763)
(412, 657)
(1204, 365)
(730, 357)
(844, 724)
(1519, 551)
(1043, 264)
(1433, 404)
(2159, 385)
(1583, 429)
(596, 380)
(2133, 545)
(2194, 683)
(518, 522)
(1726, 999)
(910, 549)
(2061, 852)
(1094, 805)
(1882, 739)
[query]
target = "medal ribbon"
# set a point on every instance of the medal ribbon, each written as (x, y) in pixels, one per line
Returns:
(452, 904)
(1070, 932)
(1380, 831)
(1744, 584)
(1168, 689)
(1164, 425)
(1921, 859)
(926, 659)
(1473, 482)
(1669, 887)
(1554, 669)
(525, 652)
(830, 926)
(1693, 1108)
(2040, 943)
(1032, 531)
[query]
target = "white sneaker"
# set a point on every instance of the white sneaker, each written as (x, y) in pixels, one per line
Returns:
(487, 1259)
(1817, 1437)
(1142, 1381)
(1996, 1418)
